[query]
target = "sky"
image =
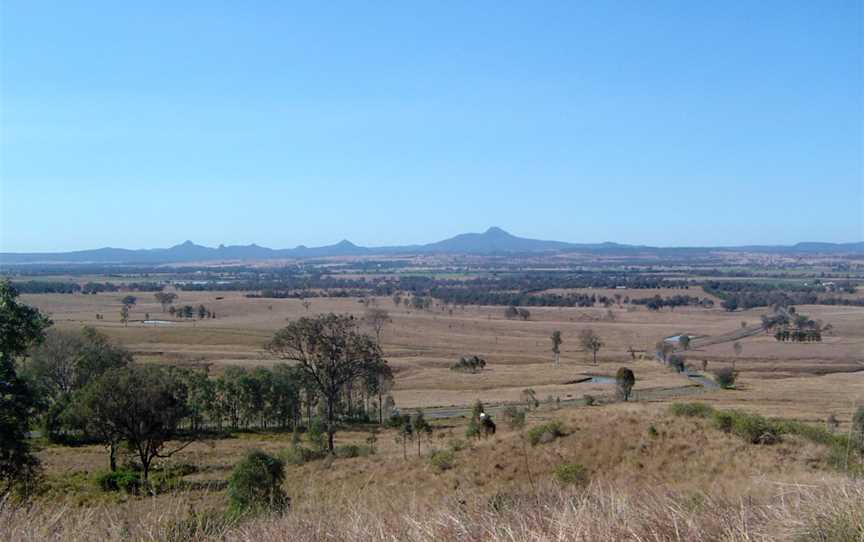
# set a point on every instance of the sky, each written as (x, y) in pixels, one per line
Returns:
(143, 124)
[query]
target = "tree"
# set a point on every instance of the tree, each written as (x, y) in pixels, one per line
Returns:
(331, 352)
(625, 379)
(725, 377)
(677, 363)
(377, 320)
(165, 299)
(141, 405)
(20, 328)
(306, 304)
(556, 346)
(664, 348)
(129, 300)
(736, 346)
(590, 342)
(256, 484)
(202, 312)
(66, 360)
(124, 314)
(397, 299)
(406, 433)
(420, 427)
(684, 342)
(524, 314)
(511, 312)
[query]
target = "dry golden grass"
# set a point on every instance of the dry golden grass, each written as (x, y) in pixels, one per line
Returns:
(653, 477)
(422, 344)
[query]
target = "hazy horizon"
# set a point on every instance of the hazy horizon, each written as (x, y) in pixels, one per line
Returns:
(137, 126)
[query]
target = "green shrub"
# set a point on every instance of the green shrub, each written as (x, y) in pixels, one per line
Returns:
(119, 480)
(571, 473)
(590, 400)
(692, 410)
(725, 377)
(442, 459)
(256, 484)
(546, 432)
(751, 427)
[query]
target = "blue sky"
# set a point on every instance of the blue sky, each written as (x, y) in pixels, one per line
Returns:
(142, 124)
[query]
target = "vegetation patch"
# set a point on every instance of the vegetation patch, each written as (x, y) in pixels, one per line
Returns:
(571, 473)
(545, 433)
(692, 410)
(443, 459)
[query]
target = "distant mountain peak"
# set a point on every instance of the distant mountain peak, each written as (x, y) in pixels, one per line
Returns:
(346, 243)
(495, 230)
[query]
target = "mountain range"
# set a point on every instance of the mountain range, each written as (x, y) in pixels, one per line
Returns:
(492, 241)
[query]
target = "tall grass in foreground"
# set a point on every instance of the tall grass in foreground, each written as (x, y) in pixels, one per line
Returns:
(833, 512)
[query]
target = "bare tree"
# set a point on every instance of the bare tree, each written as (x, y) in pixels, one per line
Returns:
(556, 346)
(590, 342)
(377, 320)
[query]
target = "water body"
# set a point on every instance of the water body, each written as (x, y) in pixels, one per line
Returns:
(158, 323)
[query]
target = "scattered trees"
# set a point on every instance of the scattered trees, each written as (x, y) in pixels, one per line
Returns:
(470, 364)
(590, 342)
(165, 299)
(625, 380)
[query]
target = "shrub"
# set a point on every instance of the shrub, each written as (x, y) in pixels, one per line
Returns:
(590, 400)
(515, 417)
(346, 451)
(751, 427)
(469, 364)
(571, 473)
(456, 444)
(546, 432)
(119, 480)
(256, 484)
(725, 377)
(442, 459)
(677, 363)
(298, 455)
(692, 410)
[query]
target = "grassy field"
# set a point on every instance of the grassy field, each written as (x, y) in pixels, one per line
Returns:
(650, 475)
(813, 379)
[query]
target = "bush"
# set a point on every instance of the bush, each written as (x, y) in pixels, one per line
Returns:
(547, 432)
(692, 410)
(346, 451)
(515, 417)
(456, 444)
(751, 427)
(571, 473)
(298, 455)
(119, 480)
(442, 459)
(256, 484)
(725, 377)
(590, 400)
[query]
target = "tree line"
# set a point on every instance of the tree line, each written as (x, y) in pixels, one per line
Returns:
(82, 387)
